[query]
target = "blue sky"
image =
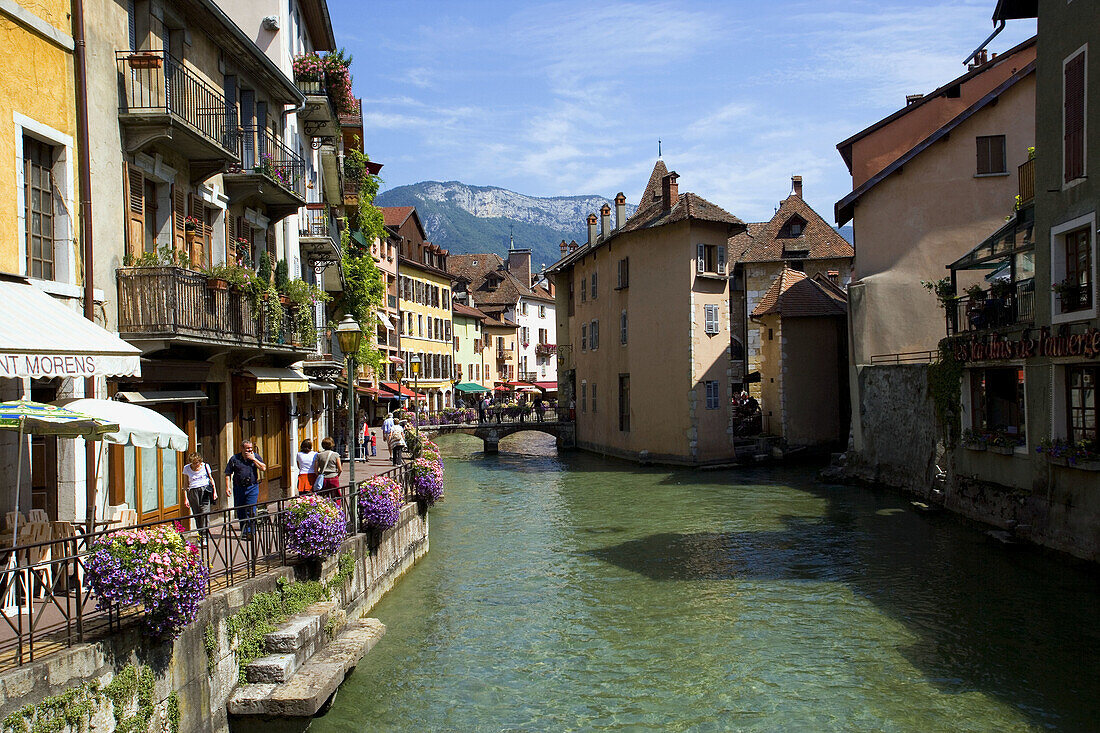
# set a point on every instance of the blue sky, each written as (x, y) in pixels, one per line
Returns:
(563, 98)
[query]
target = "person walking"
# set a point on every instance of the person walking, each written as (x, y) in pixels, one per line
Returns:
(539, 407)
(387, 426)
(397, 442)
(373, 445)
(306, 456)
(242, 477)
(481, 410)
(201, 493)
(327, 467)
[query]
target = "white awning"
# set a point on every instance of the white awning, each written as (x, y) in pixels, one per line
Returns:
(384, 320)
(321, 385)
(137, 425)
(40, 337)
(275, 380)
(159, 396)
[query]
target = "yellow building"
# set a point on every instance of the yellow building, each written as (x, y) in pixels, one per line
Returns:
(424, 303)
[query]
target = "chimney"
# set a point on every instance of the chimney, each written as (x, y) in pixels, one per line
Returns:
(591, 229)
(911, 98)
(796, 185)
(605, 221)
(519, 264)
(620, 209)
(670, 191)
(564, 248)
(573, 245)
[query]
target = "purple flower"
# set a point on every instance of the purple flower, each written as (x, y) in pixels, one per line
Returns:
(315, 527)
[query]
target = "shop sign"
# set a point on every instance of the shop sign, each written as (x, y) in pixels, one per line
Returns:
(47, 365)
(998, 348)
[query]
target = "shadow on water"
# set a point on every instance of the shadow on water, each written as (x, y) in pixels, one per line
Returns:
(1018, 623)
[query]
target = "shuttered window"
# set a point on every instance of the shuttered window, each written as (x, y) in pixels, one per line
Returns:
(624, 273)
(1075, 117)
(710, 319)
(712, 395)
(622, 327)
(39, 207)
(991, 154)
(721, 260)
(700, 258)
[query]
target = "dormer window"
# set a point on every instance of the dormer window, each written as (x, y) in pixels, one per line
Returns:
(794, 227)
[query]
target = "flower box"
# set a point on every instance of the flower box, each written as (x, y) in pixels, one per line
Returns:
(974, 446)
(1004, 450)
(1090, 464)
(145, 61)
(216, 283)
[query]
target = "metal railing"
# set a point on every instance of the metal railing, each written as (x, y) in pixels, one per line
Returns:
(528, 376)
(969, 313)
(314, 220)
(1074, 298)
(311, 87)
(261, 152)
(49, 604)
(155, 81)
(496, 414)
(173, 301)
(905, 357)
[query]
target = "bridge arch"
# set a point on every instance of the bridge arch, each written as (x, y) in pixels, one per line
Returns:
(492, 433)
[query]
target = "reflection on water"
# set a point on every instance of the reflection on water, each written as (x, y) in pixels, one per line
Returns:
(576, 593)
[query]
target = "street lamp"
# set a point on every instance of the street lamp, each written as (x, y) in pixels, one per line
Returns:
(350, 335)
(414, 364)
(399, 370)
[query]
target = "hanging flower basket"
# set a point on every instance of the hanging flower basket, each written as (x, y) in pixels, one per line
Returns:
(315, 527)
(152, 567)
(427, 475)
(380, 503)
(145, 61)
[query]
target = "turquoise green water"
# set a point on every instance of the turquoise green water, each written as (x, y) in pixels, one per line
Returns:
(576, 593)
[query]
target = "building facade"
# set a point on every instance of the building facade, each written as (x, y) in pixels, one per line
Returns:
(644, 311)
(424, 305)
(472, 367)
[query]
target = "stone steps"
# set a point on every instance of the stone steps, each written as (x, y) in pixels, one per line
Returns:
(295, 641)
(305, 691)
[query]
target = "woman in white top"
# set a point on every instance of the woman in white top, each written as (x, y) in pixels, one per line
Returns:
(306, 458)
(201, 493)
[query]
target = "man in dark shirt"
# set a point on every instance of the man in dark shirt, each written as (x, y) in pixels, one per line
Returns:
(242, 477)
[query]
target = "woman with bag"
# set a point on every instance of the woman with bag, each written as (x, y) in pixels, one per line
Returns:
(326, 468)
(201, 493)
(306, 457)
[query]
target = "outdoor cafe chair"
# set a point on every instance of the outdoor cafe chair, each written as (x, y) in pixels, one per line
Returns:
(39, 515)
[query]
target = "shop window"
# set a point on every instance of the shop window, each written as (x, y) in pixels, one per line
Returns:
(997, 401)
(1081, 382)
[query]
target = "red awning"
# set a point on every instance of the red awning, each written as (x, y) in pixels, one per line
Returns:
(547, 386)
(371, 391)
(397, 360)
(405, 391)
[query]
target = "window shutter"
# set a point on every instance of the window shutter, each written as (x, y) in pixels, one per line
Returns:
(135, 209)
(622, 328)
(131, 24)
(700, 258)
(722, 260)
(983, 155)
(626, 272)
(269, 236)
(1075, 118)
(179, 216)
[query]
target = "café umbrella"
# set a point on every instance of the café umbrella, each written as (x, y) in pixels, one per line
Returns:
(36, 418)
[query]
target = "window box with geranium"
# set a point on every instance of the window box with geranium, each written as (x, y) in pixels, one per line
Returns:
(315, 527)
(152, 567)
(1084, 456)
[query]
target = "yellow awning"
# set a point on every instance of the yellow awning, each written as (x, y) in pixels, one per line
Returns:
(273, 380)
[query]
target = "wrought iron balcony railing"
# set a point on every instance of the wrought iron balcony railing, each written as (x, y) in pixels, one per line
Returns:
(261, 152)
(1002, 309)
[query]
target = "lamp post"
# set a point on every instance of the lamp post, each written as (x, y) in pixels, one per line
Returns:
(414, 364)
(350, 335)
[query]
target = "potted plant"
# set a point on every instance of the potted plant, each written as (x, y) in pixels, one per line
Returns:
(1004, 443)
(975, 439)
(1002, 289)
(975, 292)
(145, 60)
(192, 223)
(1069, 292)
(217, 277)
(282, 281)
(1061, 452)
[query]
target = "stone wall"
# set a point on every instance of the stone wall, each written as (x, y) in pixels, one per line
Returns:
(898, 428)
(199, 669)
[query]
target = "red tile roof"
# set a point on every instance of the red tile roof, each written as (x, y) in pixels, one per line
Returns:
(652, 190)
(395, 216)
(793, 295)
(768, 241)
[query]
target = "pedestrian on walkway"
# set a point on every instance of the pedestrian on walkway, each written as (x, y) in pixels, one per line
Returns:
(539, 407)
(373, 445)
(242, 477)
(397, 442)
(327, 467)
(387, 426)
(481, 410)
(306, 456)
(201, 493)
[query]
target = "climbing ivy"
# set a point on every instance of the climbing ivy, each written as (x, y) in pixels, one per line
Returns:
(210, 645)
(74, 708)
(945, 386)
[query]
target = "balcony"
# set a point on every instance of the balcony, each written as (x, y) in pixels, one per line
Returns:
(505, 354)
(353, 119)
(1025, 176)
(318, 239)
(546, 349)
(269, 172)
(528, 376)
(162, 307)
(1004, 296)
(163, 101)
(332, 172)
(317, 117)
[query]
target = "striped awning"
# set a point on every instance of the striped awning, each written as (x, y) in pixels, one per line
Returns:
(275, 380)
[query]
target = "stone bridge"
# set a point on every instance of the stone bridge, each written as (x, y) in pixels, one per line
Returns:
(492, 433)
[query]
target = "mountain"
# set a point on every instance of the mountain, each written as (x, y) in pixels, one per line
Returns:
(848, 233)
(467, 219)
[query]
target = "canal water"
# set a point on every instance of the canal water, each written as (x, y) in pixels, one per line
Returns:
(578, 593)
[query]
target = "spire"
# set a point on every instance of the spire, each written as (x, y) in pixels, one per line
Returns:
(511, 241)
(653, 188)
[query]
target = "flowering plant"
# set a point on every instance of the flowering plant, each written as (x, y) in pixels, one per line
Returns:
(1072, 452)
(380, 502)
(152, 566)
(427, 475)
(315, 527)
(192, 222)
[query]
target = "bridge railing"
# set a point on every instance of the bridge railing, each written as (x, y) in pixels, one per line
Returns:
(496, 415)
